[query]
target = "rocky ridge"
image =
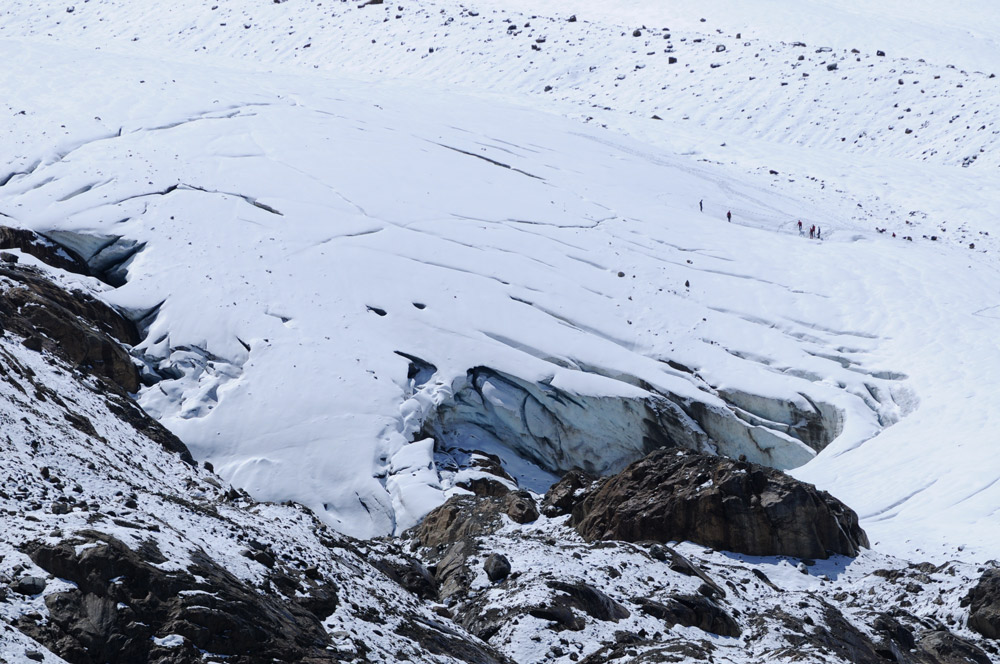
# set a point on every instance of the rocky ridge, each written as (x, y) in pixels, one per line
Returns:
(540, 592)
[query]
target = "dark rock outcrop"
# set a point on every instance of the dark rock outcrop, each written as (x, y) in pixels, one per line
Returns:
(984, 604)
(497, 567)
(943, 647)
(674, 494)
(123, 604)
(28, 585)
(692, 611)
(561, 497)
(78, 328)
(584, 597)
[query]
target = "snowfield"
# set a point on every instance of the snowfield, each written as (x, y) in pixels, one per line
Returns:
(329, 215)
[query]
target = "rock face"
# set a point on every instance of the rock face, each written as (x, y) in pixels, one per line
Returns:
(693, 611)
(731, 505)
(124, 604)
(984, 604)
(82, 330)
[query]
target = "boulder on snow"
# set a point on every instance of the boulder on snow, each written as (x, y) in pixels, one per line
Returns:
(497, 567)
(28, 585)
(675, 494)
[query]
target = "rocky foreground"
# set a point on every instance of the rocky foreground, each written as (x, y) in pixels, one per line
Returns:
(117, 547)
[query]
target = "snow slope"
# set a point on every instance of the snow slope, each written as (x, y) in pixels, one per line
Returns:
(300, 229)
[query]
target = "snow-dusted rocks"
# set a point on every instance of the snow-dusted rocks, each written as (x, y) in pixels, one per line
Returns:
(568, 600)
(116, 548)
(984, 604)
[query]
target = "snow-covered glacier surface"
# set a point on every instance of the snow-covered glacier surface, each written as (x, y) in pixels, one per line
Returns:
(327, 270)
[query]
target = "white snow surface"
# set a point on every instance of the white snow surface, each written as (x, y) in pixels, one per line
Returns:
(303, 175)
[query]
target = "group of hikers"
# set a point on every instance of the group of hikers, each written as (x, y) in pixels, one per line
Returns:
(815, 232)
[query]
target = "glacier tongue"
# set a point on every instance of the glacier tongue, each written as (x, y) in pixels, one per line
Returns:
(295, 236)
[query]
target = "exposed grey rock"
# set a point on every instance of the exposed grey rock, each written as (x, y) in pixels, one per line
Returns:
(29, 585)
(692, 611)
(943, 647)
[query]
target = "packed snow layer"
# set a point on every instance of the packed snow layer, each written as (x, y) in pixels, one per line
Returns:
(298, 233)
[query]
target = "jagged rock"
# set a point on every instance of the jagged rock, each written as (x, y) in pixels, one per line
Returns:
(123, 601)
(437, 639)
(520, 507)
(943, 647)
(497, 567)
(29, 585)
(588, 599)
(82, 330)
(984, 604)
(675, 494)
(692, 611)
(460, 518)
(452, 573)
(562, 496)
(409, 573)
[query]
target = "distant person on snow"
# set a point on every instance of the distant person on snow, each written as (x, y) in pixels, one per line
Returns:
(800, 227)
(701, 205)
(812, 231)
(729, 217)
(819, 233)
